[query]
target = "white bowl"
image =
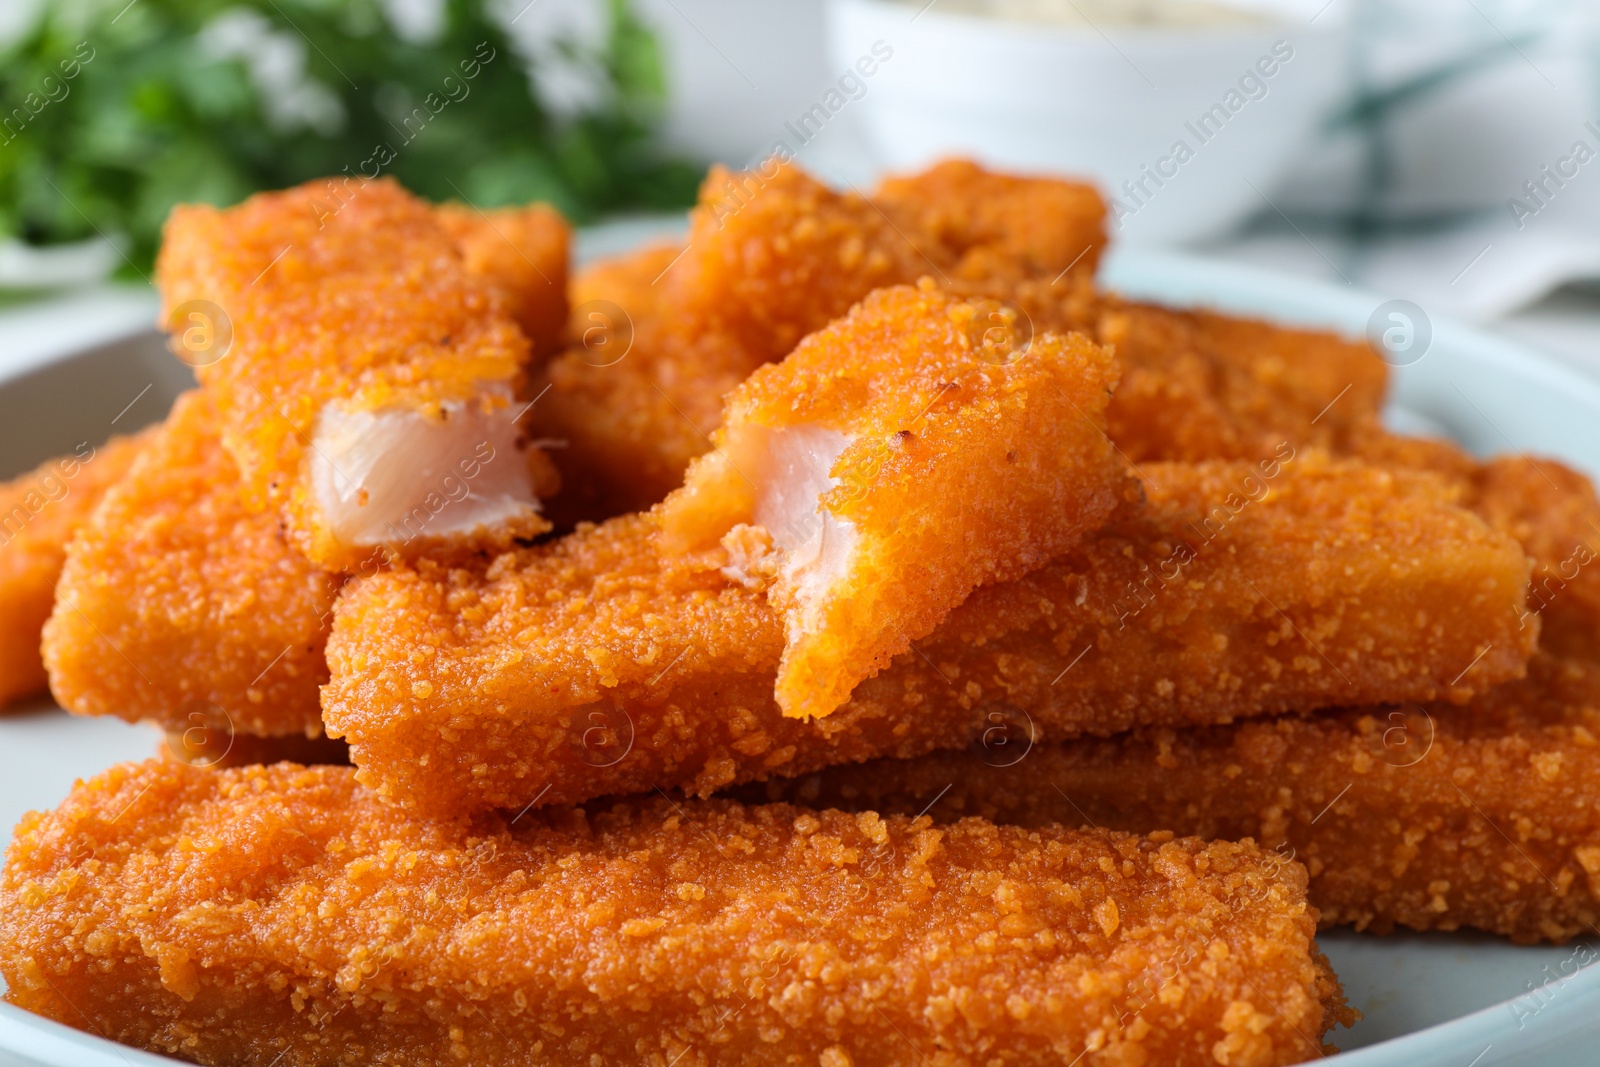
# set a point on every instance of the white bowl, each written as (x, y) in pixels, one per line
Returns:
(1107, 102)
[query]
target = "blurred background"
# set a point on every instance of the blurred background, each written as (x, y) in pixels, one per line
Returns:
(1444, 151)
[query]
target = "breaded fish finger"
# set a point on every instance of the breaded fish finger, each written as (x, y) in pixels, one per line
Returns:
(597, 664)
(1547, 506)
(179, 605)
(994, 226)
(370, 373)
(1553, 511)
(893, 462)
(39, 513)
(773, 255)
(1199, 385)
(524, 253)
(1433, 818)
(284, 915)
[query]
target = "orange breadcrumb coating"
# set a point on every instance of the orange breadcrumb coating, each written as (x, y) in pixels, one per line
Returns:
(994, 225)
(1198, 385)
(178, 605)
(522, 252)
(594, 665)
(633, 401)
(899, 458)
(1434, 819)
(1551, 509)
(360, 311)
(775, 255)
(39, 513)
(284, 915)
(772, 255)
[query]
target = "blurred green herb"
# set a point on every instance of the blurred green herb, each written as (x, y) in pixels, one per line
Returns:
(111, 112)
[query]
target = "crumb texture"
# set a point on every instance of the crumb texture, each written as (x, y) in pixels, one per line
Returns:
(179, 605)
(284, 915)
(597, 664)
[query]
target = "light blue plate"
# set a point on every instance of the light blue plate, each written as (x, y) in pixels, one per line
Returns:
(1429, 1000)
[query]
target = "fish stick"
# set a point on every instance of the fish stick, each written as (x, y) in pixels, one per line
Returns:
(179, 605)
(39, 513)
(1548, 507)
(597, 664)
(1200, 385)
(1431, 818)
(772, 258)
(285, 916)
(1553, 511)
(989, 225)
(523, 252)
(772, 255)
(369, 392)
(225, 638)
(1197, 385)
(895, 461)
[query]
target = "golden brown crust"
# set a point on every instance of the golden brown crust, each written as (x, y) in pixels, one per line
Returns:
(593, 665)
(992, 225)
(368, 304)
(1199, 385)
(773, 255)
(39, 513)
(179, 605)
(1432, 818)
(522, 252)
(1548, 507)
(283, 915)
(1553, 511)
(971, 454)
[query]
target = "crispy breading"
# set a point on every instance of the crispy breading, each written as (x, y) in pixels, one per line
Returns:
(286, 916)
(1436, 818)
(596, 665)
(1551, 509)
(771, 256)
(179, 605)
(1198, 385)
(364, 363)
(893, 462)
(633, 401)
(39, 513)
(991, 225)
(522, 252)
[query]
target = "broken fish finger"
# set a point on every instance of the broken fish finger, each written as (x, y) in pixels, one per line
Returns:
(895, 461)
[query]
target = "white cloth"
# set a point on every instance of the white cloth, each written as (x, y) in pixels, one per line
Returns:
(1463, 170)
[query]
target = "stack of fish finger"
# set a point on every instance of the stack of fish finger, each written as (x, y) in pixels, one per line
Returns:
(845, 636)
